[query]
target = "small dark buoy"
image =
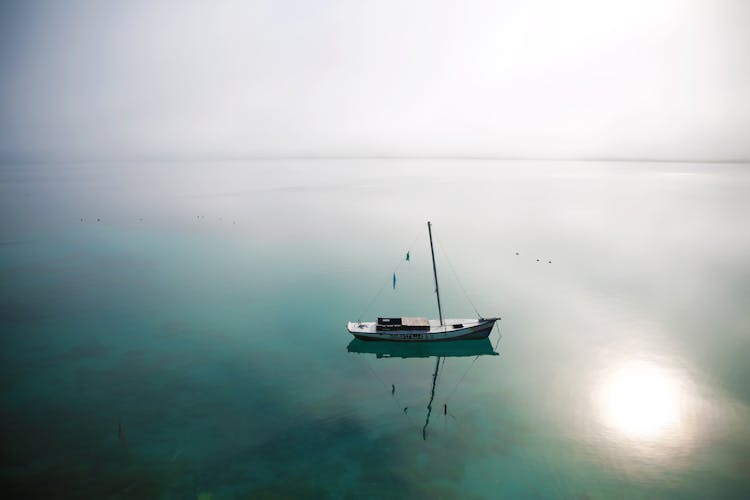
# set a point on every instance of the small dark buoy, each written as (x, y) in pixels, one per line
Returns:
(537, 260)
(445, 408)
(81, 220)
(516, 253)
(98, 219)
(549, 262)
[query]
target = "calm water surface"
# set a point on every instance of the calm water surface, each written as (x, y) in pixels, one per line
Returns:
(178, 330)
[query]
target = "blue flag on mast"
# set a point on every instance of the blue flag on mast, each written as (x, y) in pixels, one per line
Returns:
(394, 281)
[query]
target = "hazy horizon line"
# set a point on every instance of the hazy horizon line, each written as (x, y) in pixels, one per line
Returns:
(9, 160)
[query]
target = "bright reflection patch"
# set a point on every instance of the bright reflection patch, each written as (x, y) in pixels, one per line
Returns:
(641, 401)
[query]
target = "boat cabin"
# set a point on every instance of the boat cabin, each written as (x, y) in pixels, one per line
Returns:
(389, 324)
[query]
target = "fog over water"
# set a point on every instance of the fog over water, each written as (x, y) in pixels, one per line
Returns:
(540, 79)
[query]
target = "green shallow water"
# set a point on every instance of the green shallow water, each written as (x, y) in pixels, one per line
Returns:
(205, 313)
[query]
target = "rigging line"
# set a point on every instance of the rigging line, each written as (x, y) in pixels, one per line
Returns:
(462, 378)
(499, 336)
(455, 275)
(387, 281)
(396, 399)
(372, 301)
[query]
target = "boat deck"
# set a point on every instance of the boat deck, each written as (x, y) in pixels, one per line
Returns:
(452, 329)
(434, 326)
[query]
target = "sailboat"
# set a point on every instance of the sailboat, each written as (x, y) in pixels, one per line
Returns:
(420, 329)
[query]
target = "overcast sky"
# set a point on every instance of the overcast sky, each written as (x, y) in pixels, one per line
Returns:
(665, 79)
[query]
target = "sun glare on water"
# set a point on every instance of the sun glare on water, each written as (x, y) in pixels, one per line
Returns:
(641, 401)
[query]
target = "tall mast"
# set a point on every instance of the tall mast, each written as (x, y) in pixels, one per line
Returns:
(434, 271)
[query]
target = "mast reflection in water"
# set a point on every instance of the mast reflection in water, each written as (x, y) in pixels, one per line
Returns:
(438, 350)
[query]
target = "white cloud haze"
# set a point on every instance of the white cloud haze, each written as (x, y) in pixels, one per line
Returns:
(615, 79)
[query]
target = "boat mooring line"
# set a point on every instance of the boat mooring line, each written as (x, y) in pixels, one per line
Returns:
(499, 336)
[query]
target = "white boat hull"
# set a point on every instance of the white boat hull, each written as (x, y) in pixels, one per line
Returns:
(452, 329)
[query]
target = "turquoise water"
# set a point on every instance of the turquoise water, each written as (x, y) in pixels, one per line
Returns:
(191, 343)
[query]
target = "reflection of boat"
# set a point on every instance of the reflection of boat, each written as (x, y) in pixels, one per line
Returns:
(438, 350)
(422, 329)
(446, 349)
